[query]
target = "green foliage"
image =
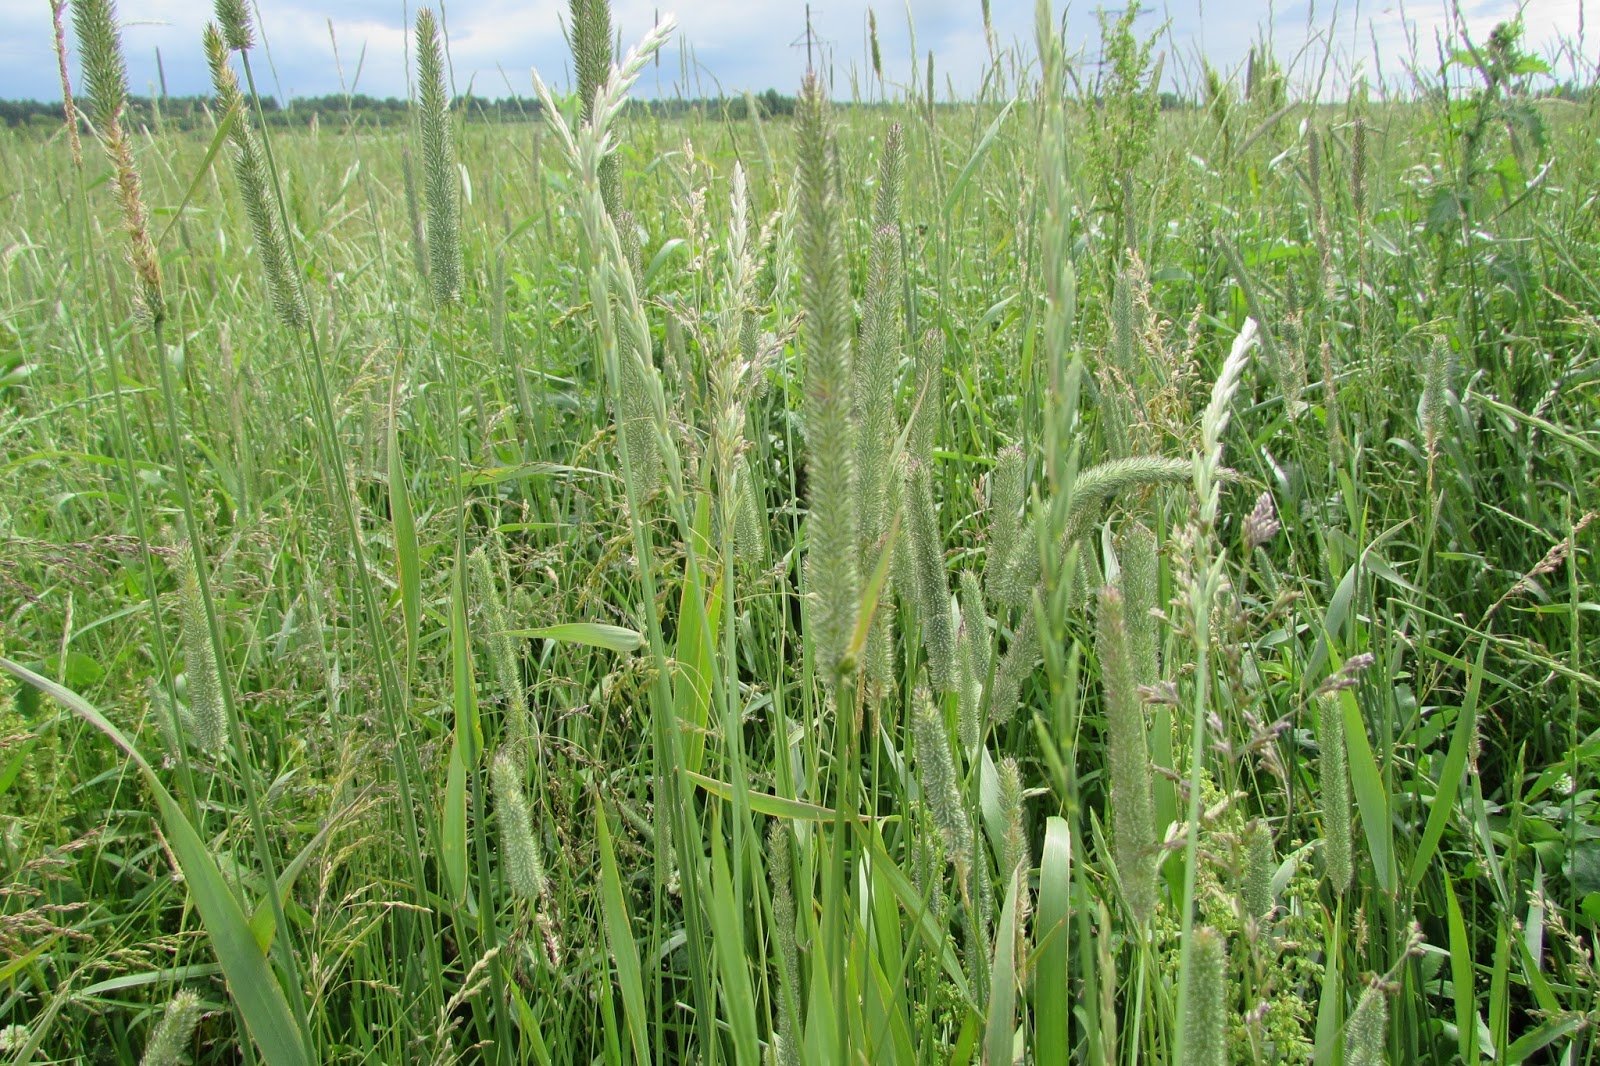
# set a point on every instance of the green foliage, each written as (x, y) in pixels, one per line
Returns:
(1054, 578)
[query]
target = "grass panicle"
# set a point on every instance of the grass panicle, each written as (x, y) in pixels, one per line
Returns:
(520, 860)
(1205, 1019)
(1007, 486)
(1132, 801)
(105, 73)
(237, 30)
(169, 1044)
(250, 170)
(831, 542)
(441, 183)
(1334, 779)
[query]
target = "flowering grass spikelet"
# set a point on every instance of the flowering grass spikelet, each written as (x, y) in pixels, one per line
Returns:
(169, 1044)
(831, 543)
(519, 848)
(1334, 766)
(255, 185)
(1205, 1018)
(441, 190)
(1132, 802)
(207, 714)
(1366, 1033)
(1006, 488)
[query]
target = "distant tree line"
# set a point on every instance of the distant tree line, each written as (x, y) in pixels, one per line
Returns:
(191, 112)
(194, 112)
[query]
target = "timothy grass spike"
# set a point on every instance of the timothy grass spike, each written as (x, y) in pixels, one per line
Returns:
(1334, 765)
(1205, 1017)
(169, 1044)
(831, 542)
(207, 713)
(255, 185)
(1006, 489)
(519, 848)
(440, 180)
(1132, 802)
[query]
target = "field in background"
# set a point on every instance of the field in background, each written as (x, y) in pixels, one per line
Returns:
(1039, 580)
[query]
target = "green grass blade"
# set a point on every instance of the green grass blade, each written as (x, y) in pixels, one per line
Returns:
(1455, 763)
(594, 634)
(250, 980)
(1000, 1030)
(1371, 799)
(1464, 992)
(619, 937)
(1052, 944)
(408, 568)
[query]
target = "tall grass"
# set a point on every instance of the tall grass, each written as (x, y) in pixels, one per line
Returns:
(1043, 579)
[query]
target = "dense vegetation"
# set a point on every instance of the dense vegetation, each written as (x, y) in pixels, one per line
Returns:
(1049, 579)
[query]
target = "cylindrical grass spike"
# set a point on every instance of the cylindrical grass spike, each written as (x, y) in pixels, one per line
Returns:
(1260, 863)
(503, 658)
(255, 186)
(1014, 669)
(208, 717)
(780, 867)
(169, 1044)
(1006, 488)
(519, 848)
(591, 60)
(972, 660)
(237, 31)
(1205, 1020)
(441, 190)
(1133, 834)
(928, 576)
(69, 108)
(105, 73)
(1014, 850)
(1335, 772)
(928, 398)
(876, 366)
(940, 786)
(831, 544)
(1098, 484)
(1140, 583)
(1366, 1033)
(637, 419)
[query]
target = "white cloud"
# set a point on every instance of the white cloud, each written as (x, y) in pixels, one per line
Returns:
(741, 44)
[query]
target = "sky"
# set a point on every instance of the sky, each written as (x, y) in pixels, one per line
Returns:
(331, 46)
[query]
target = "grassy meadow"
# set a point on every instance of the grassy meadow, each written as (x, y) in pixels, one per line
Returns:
(1036, 579)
